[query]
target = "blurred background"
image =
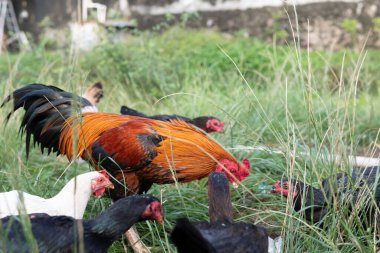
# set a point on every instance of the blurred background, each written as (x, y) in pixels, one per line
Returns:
(320, 23)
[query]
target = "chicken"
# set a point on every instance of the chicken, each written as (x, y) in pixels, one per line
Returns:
(136, 151)
(70, 201)
(208, 124)
(354, 191)
(310, 200)
(93, 94)
(221, 234)
(360, 192)
(65, 234)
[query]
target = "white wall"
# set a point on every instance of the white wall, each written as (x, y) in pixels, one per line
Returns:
(181, 6)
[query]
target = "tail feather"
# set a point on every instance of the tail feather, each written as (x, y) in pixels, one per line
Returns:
(46, 110)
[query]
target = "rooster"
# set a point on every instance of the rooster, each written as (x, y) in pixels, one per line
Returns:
(65, 234)
(136, 151)
(209, 124)
(221, 234)
(70, 201)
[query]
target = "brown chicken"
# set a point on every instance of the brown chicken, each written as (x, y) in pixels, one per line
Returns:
(136, 151)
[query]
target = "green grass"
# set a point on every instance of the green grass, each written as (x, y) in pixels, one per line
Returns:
(299, 102)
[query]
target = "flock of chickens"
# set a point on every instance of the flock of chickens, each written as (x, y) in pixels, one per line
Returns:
(130, 152)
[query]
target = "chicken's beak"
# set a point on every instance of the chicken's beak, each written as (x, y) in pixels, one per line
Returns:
(110, 186)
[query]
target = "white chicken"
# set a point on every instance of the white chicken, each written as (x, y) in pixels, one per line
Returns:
(70, 201)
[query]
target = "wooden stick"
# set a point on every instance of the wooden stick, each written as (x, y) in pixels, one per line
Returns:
(357, 161)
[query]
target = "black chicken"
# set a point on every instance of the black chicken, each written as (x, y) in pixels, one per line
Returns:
(310, 200)
(360, 190)
(65, 234)
(208, 124)
(221, 234)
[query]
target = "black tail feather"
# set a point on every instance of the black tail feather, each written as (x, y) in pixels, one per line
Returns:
(46, 109)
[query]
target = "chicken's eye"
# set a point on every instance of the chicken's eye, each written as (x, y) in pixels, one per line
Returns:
(101, 180)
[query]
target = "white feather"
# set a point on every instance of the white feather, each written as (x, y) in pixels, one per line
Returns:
(70, 201)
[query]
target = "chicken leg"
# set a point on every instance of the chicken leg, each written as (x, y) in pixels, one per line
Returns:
(135, 241)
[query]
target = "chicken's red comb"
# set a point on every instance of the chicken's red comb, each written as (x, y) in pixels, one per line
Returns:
(104, 173)
(246, 163)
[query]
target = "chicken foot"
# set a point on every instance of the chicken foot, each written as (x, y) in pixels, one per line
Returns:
(135, 241)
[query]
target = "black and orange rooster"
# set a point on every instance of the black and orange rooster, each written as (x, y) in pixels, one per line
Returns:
(136, 151)
(209, 124)
(222, 234)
